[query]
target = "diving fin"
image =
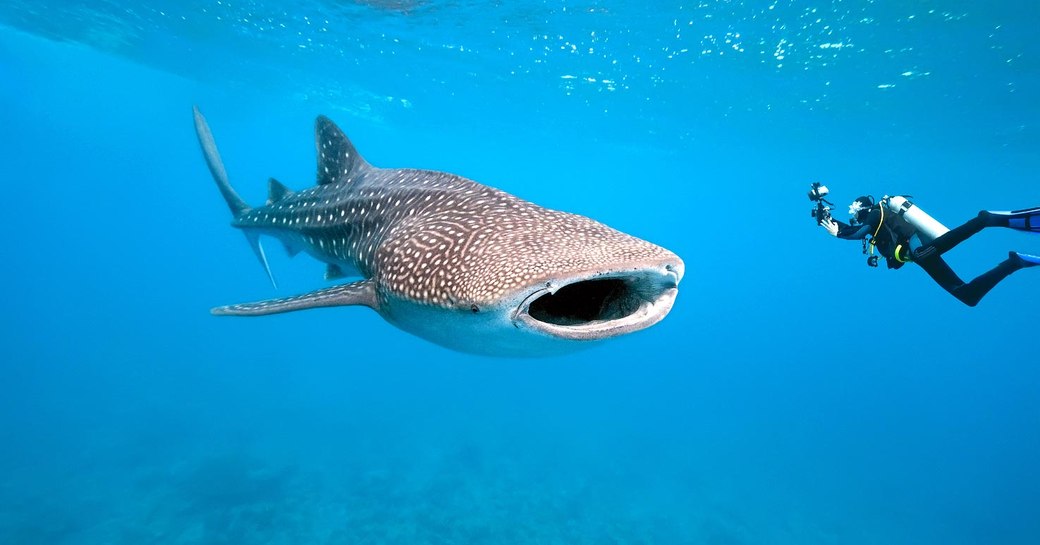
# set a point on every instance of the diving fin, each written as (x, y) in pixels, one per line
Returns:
(1026, 260)
(356, 293)
(1027, 219)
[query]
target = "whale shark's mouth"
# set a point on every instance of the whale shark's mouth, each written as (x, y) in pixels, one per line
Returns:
(601, 306)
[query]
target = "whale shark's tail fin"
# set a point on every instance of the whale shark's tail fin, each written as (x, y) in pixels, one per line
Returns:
(234, 201)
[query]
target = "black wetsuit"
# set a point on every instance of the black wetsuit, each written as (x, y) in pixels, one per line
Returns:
(896, 231)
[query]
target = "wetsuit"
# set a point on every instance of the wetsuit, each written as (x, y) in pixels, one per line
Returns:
(897, 232)
(894, 231)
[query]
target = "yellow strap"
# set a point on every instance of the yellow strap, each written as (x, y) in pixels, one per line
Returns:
(873, 238)
(899, 259)
(881, 207)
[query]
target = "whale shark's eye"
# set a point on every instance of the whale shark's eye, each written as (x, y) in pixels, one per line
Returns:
(475, 309)
(588, 301)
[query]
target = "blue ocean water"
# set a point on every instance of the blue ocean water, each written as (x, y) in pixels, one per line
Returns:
(793, 395)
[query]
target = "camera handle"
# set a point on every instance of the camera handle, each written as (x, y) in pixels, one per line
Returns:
(822, 212)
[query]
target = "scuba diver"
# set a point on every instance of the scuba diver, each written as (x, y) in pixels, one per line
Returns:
(903, 233)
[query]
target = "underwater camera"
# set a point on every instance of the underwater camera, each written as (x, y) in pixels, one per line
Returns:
(822, 210)
(817, 192)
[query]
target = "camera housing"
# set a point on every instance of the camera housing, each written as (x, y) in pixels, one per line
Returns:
(818, 192)
(822, 211)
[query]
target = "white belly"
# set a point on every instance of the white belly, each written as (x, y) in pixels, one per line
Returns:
(489, 331)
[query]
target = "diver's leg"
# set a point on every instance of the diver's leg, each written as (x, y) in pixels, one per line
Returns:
(943, 275)
(959, 234)
(971, 293)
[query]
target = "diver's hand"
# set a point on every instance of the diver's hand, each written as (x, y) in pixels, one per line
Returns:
(830, 225)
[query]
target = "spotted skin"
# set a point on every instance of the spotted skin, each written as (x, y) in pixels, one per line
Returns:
(352, 294)
(439, 238)
(429, 239)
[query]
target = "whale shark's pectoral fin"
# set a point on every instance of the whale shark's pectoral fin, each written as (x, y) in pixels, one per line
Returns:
(355, 293)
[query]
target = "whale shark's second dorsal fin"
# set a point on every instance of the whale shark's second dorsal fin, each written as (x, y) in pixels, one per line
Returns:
(277, 191)
(338, 160)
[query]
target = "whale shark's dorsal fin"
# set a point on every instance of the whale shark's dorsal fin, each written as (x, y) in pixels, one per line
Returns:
(338, 160)
(277, 191)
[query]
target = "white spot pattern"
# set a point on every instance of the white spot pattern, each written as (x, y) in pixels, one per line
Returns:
(445, 240)
(435, 237)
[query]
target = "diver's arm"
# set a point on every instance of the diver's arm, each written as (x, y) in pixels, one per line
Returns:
(852, 232)
(844, 230)
(830, 226)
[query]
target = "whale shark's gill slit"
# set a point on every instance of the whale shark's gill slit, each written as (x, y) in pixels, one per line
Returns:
(589, 301)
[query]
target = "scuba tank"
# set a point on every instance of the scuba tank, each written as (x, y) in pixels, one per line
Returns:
(927, 227)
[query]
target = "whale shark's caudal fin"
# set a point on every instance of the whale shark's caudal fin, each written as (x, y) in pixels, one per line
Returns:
(234, 202)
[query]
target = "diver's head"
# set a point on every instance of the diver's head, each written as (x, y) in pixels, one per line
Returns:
(860, 208)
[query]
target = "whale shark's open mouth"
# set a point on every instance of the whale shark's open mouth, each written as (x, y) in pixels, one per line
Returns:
(601, 306)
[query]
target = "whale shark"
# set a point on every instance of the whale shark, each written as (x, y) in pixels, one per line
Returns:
(464, 265)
